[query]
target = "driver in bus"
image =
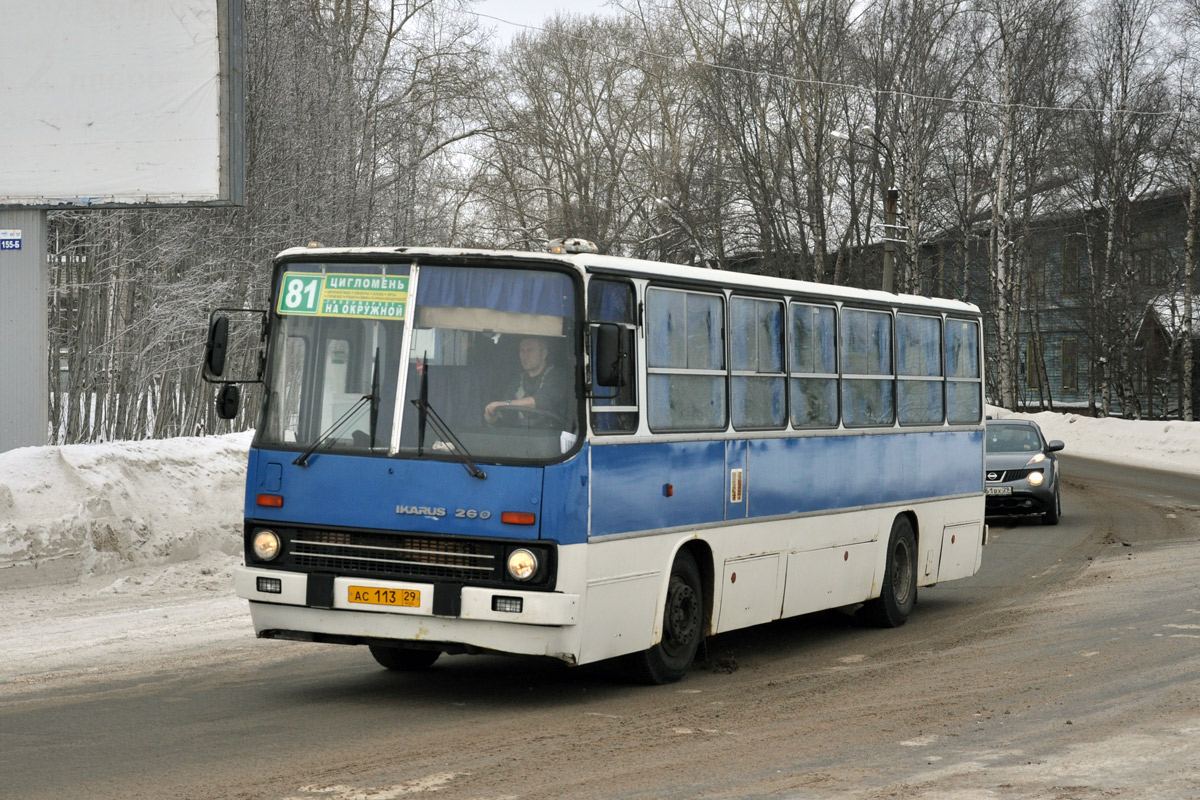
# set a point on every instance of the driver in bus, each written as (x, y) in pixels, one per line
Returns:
(541, 385)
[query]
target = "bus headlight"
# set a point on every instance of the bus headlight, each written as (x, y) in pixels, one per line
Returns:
(265, 545)
(522, 564)
(1036, 478)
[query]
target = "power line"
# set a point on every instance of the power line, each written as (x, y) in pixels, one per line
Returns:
(851, 87)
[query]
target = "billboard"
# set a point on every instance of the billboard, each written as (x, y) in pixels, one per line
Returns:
(121, 103)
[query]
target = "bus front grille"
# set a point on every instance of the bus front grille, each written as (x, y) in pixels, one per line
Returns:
(396, 556)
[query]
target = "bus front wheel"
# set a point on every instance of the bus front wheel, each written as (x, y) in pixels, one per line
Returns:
(402, 659)
(668, 661)
(898, 594)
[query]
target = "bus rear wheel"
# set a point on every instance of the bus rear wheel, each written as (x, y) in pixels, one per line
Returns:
(898, 594)
(683, 622)
(403, 659)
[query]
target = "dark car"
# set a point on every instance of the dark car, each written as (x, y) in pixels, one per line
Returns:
(1021, 471)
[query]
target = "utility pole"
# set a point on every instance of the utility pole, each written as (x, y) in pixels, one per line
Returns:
(889, 238)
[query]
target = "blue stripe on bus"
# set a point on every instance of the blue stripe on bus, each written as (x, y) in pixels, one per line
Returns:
(782, 476)
(630, 484)
(629, 487)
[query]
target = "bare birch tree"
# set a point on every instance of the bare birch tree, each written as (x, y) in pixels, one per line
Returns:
(1120, 159)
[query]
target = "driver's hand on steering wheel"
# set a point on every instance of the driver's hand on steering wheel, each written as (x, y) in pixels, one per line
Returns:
(490, 414)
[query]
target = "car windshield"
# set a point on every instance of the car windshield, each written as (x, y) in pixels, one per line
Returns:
(1013, 439)
(480, 336)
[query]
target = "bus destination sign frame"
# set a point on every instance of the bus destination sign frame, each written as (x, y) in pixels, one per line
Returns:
(333, 294)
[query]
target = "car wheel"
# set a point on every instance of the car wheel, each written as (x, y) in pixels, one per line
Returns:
(1052, 516)
(898, 594)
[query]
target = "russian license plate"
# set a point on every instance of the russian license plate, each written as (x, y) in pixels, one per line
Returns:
(372, 595)
(998, 490)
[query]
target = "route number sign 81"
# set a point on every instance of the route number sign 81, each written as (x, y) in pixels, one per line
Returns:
(299, 294)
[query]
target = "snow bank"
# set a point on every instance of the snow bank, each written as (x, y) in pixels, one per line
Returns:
(1169, 445)
(75, 511)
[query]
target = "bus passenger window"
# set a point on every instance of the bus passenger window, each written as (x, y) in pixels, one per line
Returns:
(866, 368)
(964, 388)
(919, 365)
(757, 391)
(614, 408)
(685, 337)
(814, 366)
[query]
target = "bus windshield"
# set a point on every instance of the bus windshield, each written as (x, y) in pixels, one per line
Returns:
(491, 355)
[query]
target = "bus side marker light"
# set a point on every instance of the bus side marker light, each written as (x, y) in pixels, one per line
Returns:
(270, 500)
(518, 517)
(668, 490)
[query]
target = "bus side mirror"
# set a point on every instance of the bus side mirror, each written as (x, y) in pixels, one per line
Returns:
(218, 343)
(613, 363)
(236, 348)
(228, 399)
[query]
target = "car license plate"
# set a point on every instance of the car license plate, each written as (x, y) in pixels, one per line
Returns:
(371, 595)
(998, 490)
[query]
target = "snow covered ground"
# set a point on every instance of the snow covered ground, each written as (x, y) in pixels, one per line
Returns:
(77, 511)
(118, 556)
(115, 557)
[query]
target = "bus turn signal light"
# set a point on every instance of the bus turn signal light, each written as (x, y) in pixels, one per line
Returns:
(518, 517)
(271, 500)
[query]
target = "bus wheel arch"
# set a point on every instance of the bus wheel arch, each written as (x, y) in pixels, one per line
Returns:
(701, 553)
(916, 526)
(898, 586)
(687, 611)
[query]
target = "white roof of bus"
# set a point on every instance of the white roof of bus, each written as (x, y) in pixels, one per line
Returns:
(641, 268)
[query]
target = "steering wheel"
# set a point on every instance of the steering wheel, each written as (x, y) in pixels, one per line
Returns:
(537, 417)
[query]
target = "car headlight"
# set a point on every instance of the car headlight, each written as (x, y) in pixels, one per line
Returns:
(1036, 478)
(1037, 459)
(265, 545)
(522, 564)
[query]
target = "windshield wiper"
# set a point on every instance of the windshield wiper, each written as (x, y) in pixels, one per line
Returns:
(372, 398)
(302, 459)
(423, 404)
(428, 416)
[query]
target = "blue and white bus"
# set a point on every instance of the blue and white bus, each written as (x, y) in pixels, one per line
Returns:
(587, 457)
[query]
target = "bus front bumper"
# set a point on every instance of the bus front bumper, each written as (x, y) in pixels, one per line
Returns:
(532, 623)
